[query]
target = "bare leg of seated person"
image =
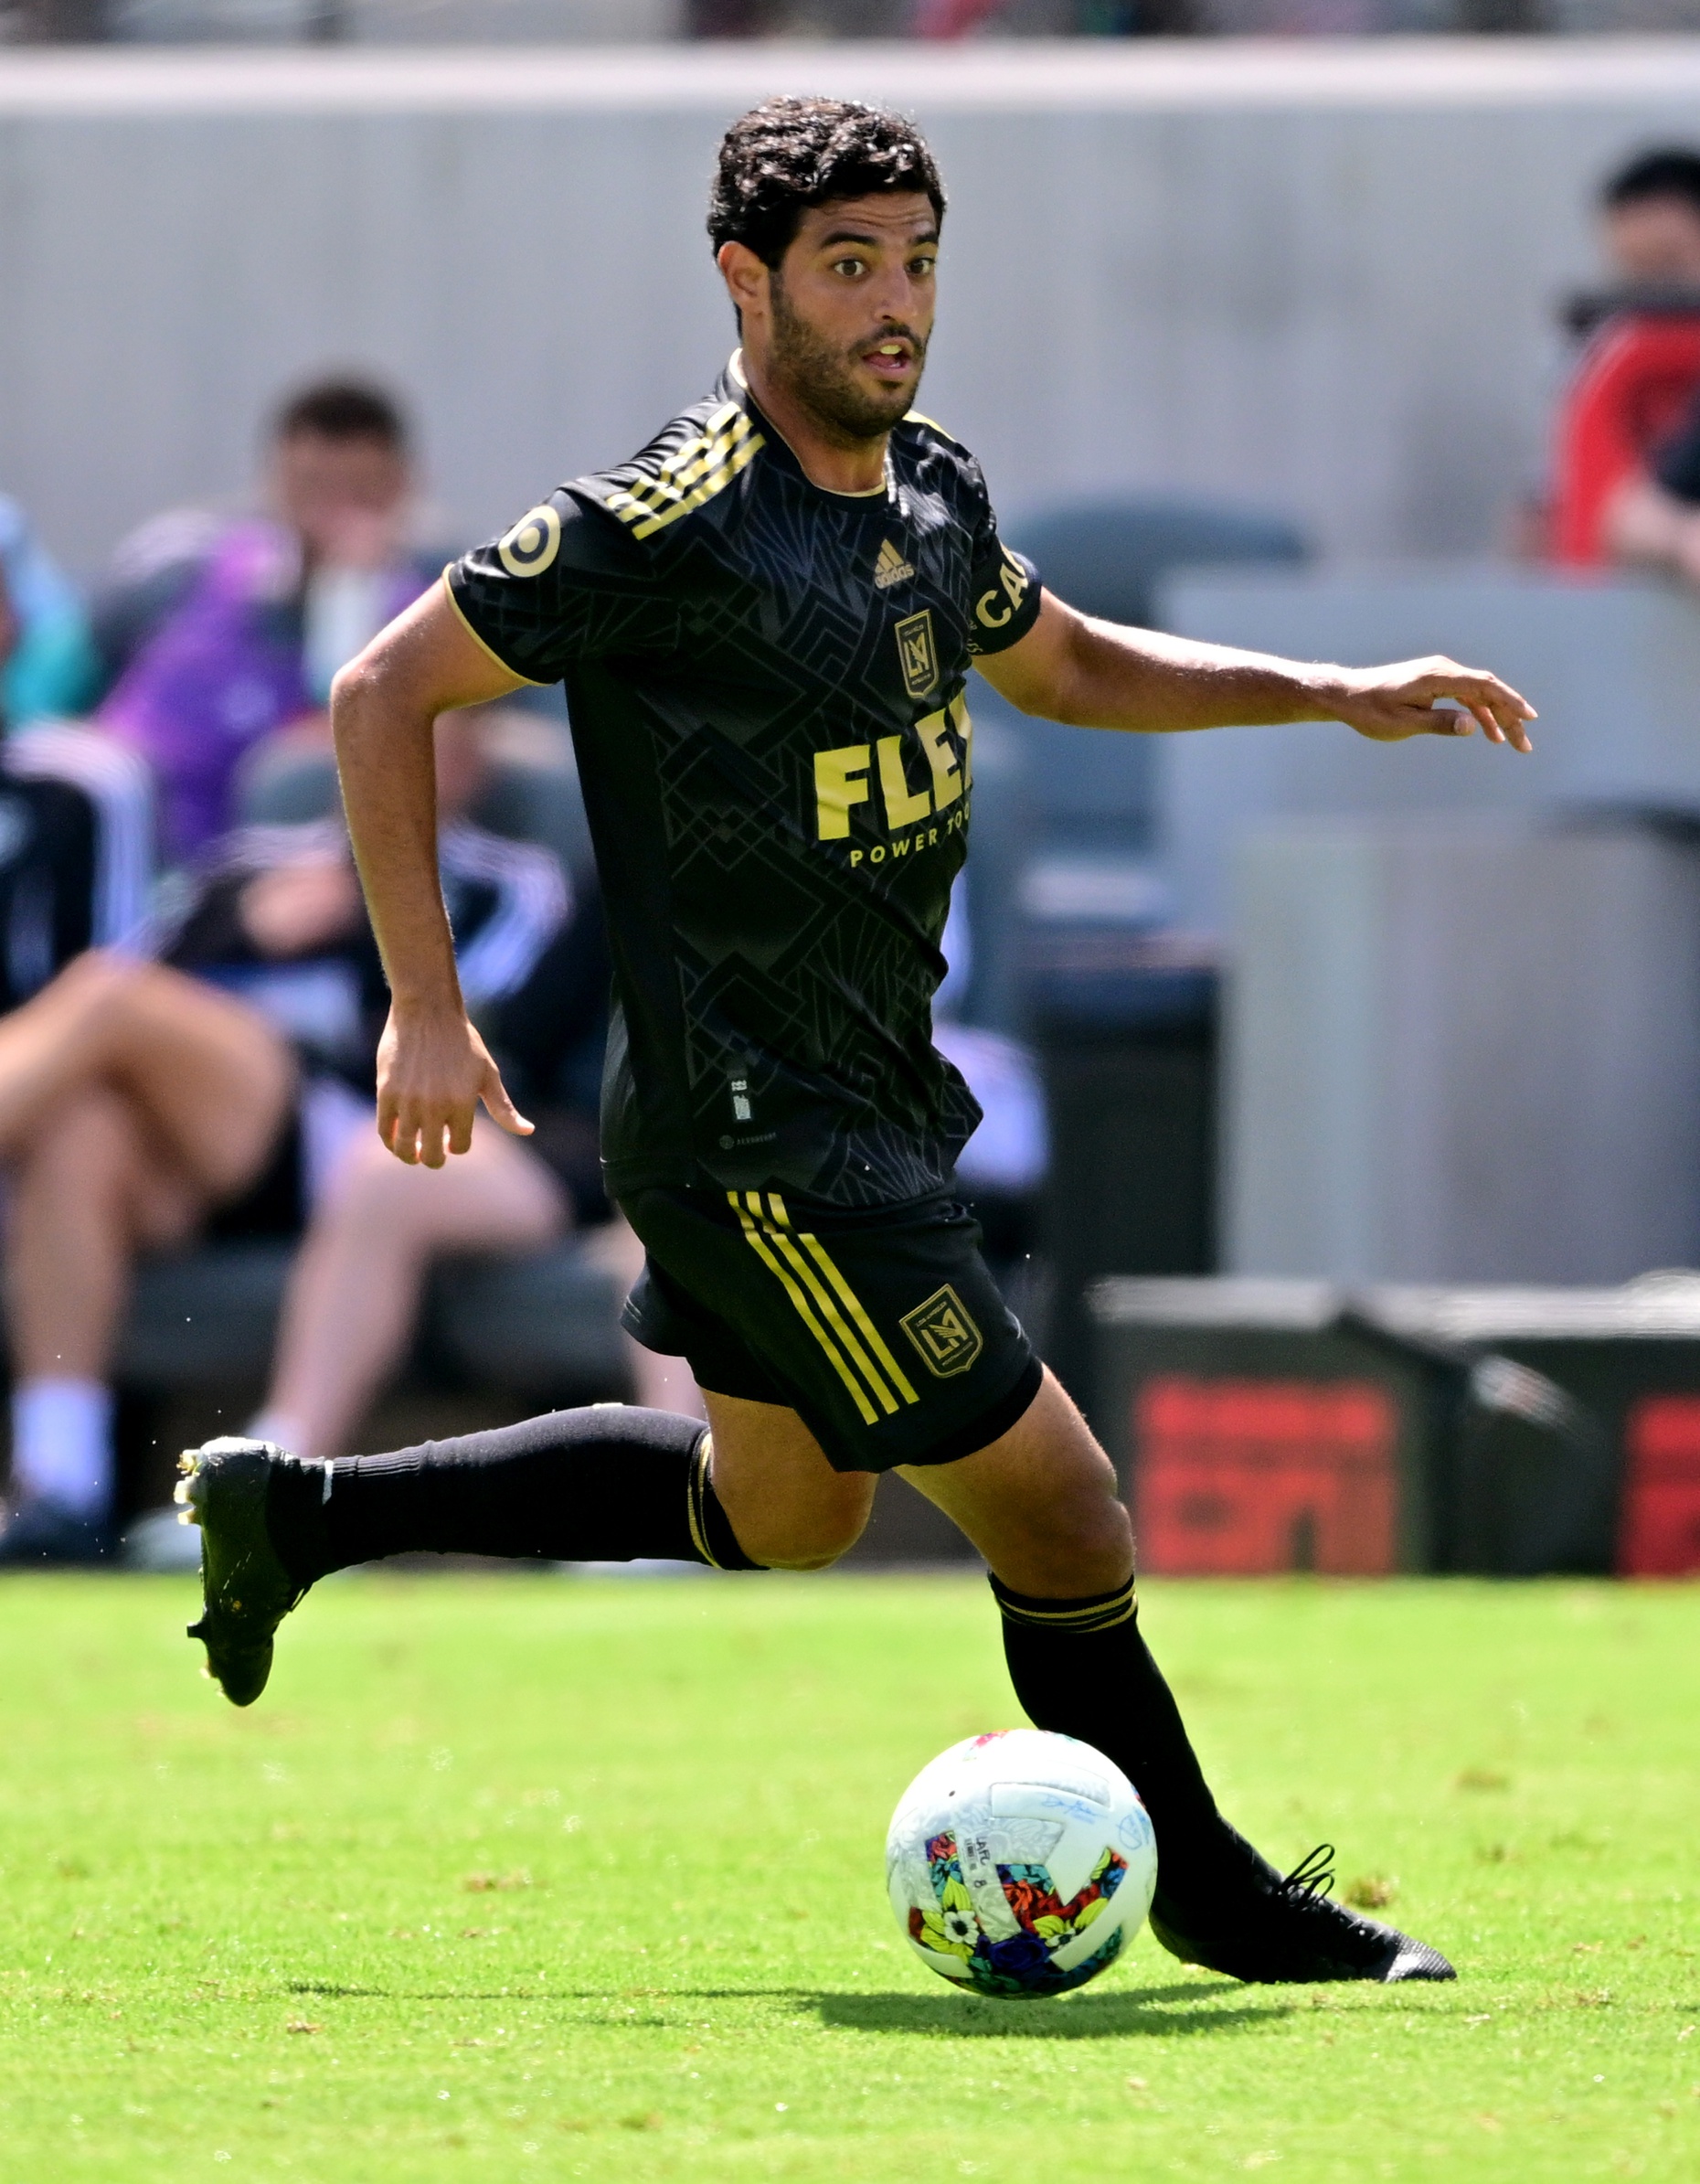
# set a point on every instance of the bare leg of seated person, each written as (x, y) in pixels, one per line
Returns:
(355, 1289)
(132, 1100)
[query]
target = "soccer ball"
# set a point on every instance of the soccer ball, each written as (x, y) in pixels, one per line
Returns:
(1020, 1863)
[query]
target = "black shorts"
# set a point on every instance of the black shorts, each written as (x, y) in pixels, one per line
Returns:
(882, 1329)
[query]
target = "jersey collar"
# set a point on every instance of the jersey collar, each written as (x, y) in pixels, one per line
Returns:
(733, 387)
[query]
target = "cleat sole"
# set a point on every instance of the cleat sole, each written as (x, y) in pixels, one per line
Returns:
(247, 1590)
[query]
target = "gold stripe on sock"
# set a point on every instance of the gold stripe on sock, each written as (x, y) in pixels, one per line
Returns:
(1098, 1615)
(696, 1499)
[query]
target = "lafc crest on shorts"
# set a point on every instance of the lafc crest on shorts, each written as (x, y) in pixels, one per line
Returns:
(944, 1333)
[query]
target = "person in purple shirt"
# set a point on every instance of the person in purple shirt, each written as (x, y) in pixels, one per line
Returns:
(222, 633)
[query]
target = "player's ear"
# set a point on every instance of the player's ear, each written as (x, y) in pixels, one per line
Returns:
(745, 275)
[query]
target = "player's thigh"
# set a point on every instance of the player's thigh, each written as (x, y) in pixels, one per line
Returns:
(1040, 1503)
(786, 1504)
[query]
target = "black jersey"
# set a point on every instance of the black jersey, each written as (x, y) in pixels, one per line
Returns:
(766, 687)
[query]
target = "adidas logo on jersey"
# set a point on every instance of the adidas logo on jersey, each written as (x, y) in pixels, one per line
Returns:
(890, 568)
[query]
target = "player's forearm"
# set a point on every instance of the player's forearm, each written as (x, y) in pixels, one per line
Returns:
(385, 757)
(1144, 679)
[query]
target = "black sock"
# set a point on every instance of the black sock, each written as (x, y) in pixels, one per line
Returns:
(1082, 1667)
(605, 1484)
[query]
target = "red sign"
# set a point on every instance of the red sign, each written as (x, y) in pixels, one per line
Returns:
(1659, 1535)
(1243, 1477)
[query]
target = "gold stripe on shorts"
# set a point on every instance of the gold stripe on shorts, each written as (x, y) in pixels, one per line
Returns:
(876, 1341)
(778, 1234)
(759, 1244)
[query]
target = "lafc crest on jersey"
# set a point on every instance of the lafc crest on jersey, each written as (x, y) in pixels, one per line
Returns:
(890, 568)
(919, 654)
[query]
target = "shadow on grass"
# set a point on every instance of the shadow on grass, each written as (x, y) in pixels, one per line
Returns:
(1114, 2015)
(1084, 2017)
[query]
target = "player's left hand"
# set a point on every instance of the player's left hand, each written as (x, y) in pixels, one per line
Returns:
(1430, 697)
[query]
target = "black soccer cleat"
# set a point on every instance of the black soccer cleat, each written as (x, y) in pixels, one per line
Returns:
(1264, 1926)
(245, 1585)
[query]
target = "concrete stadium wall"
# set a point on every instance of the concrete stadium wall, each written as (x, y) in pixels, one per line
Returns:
(1463, 1052)
(1613, 667)
(1318, 279)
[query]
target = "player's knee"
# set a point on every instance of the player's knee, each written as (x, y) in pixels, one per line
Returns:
(803, 1563)
(1105, 1546)
(1084, 1546)
(811, 1538)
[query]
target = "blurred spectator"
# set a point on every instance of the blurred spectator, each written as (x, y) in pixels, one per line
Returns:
(227, 1088)
(218, 633)
(76, 812)
(49, 667)
(1639, 375)
(1650, 213)
(1654, 519)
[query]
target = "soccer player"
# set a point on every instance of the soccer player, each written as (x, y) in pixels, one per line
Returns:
(765, 622)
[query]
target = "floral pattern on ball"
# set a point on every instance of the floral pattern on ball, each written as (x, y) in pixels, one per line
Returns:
(1019, 1963)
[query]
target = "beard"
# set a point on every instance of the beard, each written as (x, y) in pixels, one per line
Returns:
(821, 377)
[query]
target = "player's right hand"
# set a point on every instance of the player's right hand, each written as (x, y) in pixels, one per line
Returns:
(432, 1072)
(1434, 697)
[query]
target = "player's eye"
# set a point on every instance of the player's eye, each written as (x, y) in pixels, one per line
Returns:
(924, 267)
(850, 267)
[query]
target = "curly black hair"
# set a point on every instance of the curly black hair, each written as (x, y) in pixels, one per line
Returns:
(789, 155)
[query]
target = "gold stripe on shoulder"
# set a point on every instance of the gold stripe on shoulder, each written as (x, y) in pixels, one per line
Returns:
(702, 452)
(645, 521)
(694, 460)
(460, 615)
(916, 417)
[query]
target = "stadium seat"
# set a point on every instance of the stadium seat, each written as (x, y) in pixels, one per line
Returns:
(1122, 1013)
(1108, 558)
(532, 795)
(540, 1329)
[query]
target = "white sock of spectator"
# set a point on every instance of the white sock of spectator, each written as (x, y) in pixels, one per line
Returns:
(62, 1445)
(274, 1425)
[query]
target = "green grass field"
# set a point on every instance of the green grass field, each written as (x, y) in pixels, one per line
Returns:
(542, 1878)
